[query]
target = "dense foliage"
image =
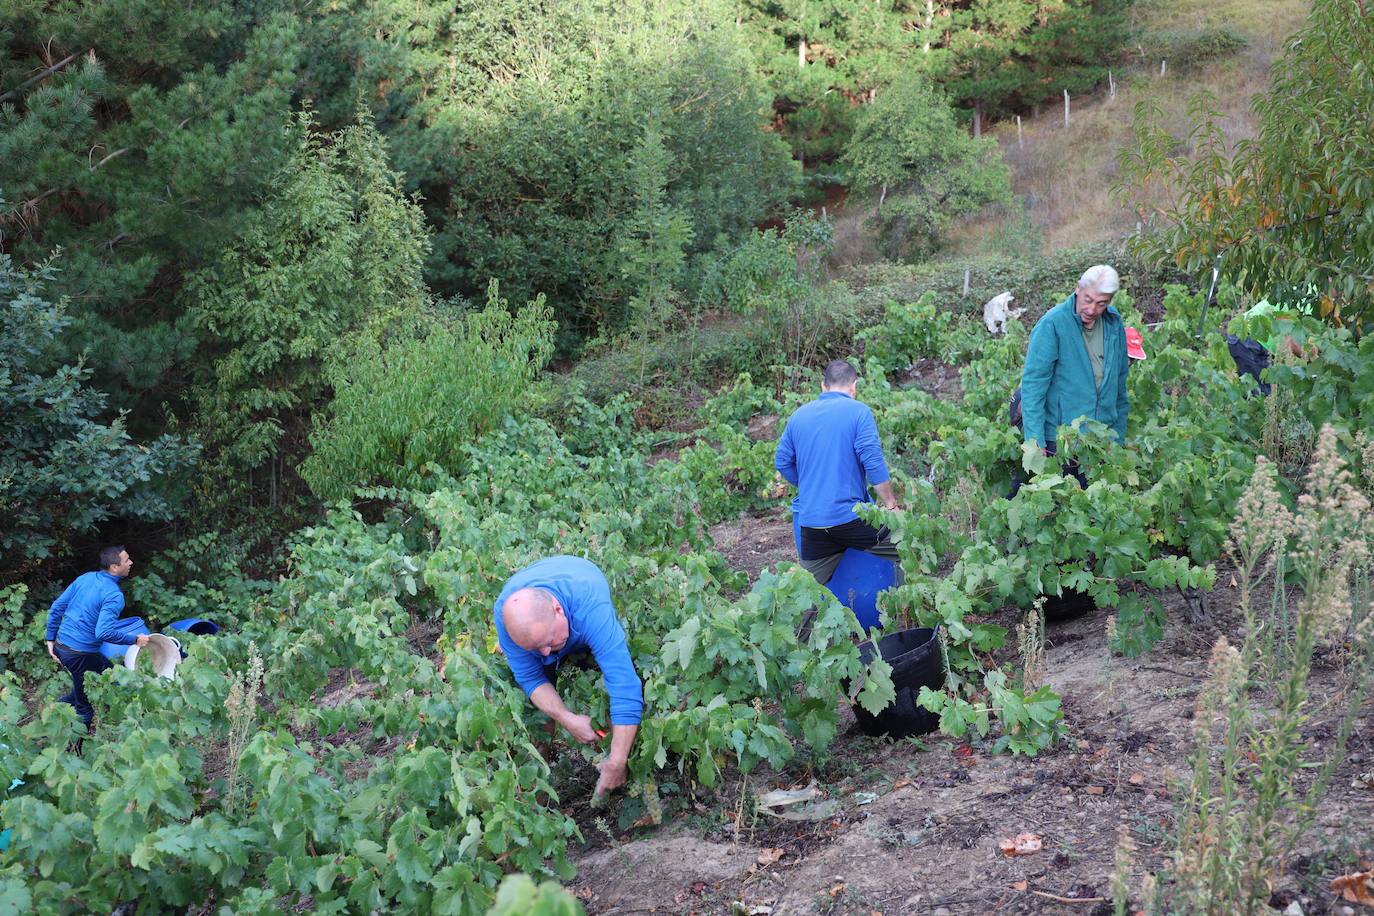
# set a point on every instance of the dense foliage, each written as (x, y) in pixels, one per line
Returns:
(290, 239)
(64, 469)
(1287, 212)
(353, 738)
(928, 169)
(993, 57)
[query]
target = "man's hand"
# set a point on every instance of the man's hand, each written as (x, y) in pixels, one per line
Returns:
(53, 652)
(886, 494)
(612, 776)
(580, 727)
(142, 640)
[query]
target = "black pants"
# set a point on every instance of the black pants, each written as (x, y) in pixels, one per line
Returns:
(78, 665)
(1071, 468)
(823, 548)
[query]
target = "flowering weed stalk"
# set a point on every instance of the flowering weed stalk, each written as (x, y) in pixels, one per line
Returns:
(1236, 828)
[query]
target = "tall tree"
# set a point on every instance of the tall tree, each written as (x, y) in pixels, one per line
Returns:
(518, 123)
(908, 147)
(334, 256)
(135, 135)
(64, 470)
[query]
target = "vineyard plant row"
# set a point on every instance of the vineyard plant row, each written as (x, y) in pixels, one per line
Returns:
(379, 757)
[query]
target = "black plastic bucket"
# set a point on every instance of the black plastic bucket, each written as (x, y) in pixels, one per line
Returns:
(916, 662)
(1072, 603)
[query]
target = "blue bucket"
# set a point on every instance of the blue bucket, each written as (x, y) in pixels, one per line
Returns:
(131, 626)
(197, 626)
(858, 580)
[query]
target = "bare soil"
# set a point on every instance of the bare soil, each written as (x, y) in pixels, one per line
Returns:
(937, 379)
(920, 822)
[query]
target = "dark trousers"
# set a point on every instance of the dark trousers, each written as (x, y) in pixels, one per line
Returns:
(1071, 468)
(823, 548)
(78, 665)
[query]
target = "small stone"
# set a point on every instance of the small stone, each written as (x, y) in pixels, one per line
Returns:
(1293, 909)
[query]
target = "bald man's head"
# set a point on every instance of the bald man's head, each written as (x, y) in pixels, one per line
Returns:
(535, 620)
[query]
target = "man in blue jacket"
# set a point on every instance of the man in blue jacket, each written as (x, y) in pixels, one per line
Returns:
(83, 617)
(1076, 363)
(558, 607)
(831, 453)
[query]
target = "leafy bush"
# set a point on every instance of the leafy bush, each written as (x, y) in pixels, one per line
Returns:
(776, 275)
(1286, 209)
(911, 331)
(64, 469)
(328, 264)
(927, 169)
(414, 401)
(1188, 49)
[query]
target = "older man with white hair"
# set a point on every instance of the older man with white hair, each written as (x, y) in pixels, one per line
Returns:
(1076, 363)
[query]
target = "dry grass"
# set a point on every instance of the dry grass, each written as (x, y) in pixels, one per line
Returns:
(1064, 175)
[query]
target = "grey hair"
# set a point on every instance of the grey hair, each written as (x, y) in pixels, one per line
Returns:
(1100, 278)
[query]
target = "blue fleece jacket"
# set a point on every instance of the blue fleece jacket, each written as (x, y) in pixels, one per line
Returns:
(86, 614)
(585, 595)
(831, 453)
(1057, 384)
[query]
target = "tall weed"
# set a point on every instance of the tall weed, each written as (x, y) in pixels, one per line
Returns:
(1250, 799)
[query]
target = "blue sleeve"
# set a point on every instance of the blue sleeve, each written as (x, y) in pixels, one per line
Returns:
(785, 458)
(1041, 356)
(107, 627)
(58, 611)
(527, 667)
(1123, 400)
(870, 449)
(606, 638)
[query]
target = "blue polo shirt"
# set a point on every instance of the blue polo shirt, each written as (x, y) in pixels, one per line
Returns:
(86, 614)
(592, 626)
(831, 453)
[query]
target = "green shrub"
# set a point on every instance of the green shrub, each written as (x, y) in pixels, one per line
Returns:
(65, 467)
(1188, 49)
(908, 147)
(414, 401)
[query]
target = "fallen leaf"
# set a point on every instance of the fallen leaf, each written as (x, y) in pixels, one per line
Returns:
(1023, 844)
(1357, 888)
(770, 856)
(1093, 790)
(1136, 779)
(1020, 885)
(1363, 781)
(1233, 580)
(904, 782)
(865, 798)
(836, 889)
(963, 751)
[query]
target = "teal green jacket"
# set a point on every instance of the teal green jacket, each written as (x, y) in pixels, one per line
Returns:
(1057, 384)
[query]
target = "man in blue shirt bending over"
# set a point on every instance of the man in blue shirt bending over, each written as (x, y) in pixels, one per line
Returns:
(82, 618)
(561, 607)
(831, 453)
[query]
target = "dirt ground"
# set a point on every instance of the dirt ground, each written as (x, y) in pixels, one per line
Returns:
(920, 821)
